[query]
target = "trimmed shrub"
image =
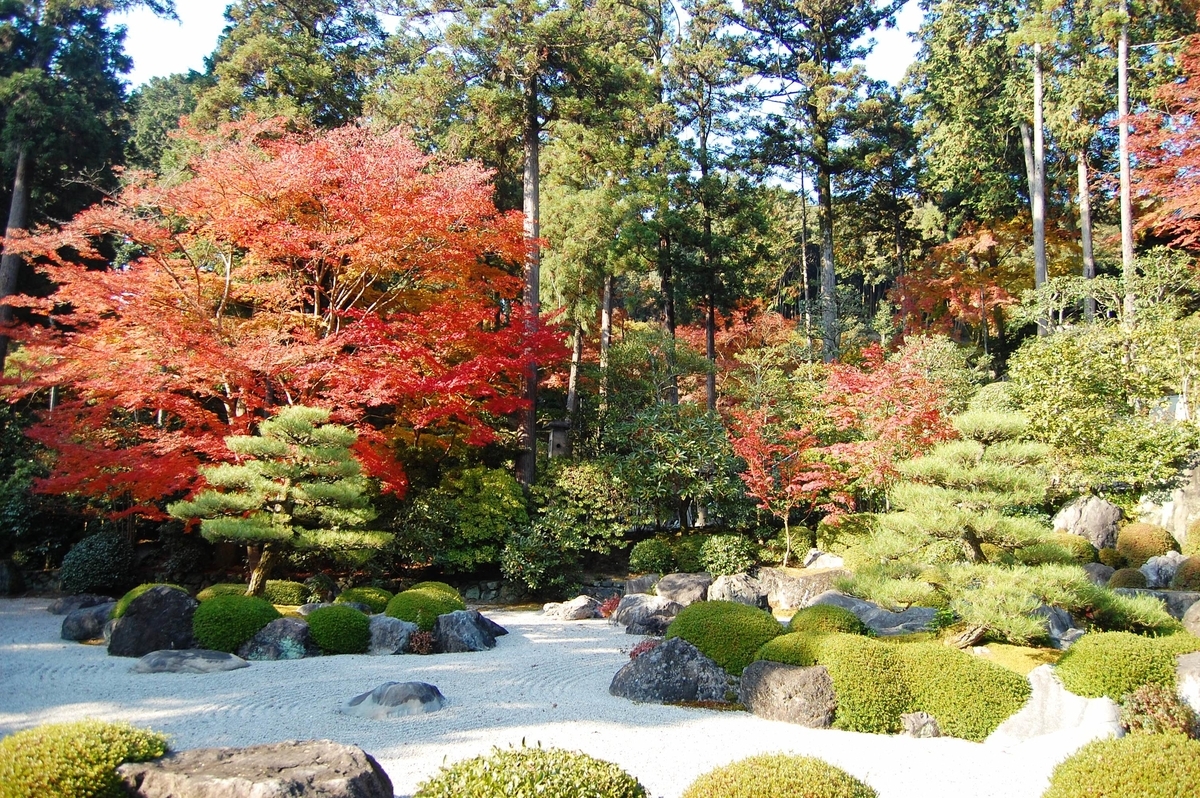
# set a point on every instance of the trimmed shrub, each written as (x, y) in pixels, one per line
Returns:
(340, 630)
(868, 678)
(1127, 577)
(221, 589)
(725, 555)
(1188, 575)
(651, 556)
(1142, 765)
(124, 602)
(422, 606)
(969, 696)
(1114, 664)
(827, 618)
(374, 597)
(223, 623)
(1154, 709)
(1044, 554)
(97, 564)
(795, 648)
(728, 633)
(687, 554)
(1111, 558)
(73, 760)
(532, 773)
(778, 776)
(1139, 542)
(286, 592)
(438, 587)
(1081, 549)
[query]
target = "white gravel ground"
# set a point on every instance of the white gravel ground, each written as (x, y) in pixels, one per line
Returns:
(545, 683)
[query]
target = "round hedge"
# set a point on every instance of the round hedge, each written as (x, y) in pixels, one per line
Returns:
(374, 597)
(73, 760)
(651, 556)
(223, 623)
(1111, 558)
(340, 630)
(1188, 575)
(422, 606)
(687, 553)
(795, 648)
(438, 587)
(725, 555)
(221, 589)
(728, 633)
(532, 773)
(1139, 542)
(1154, 709)
(285, 592)
(869, 680)
(1127, 577)
(1116, 663)
(1141, 765)
(97, 564)
(778, 776)
(124, 602)
(1081, 549)
(827, 618)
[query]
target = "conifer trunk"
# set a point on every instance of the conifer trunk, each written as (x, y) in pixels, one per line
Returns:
(1085, 232)
(527, 428)
(10, 263)
(1127, 261)
(269, 557)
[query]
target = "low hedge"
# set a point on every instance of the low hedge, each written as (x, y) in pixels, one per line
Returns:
(422, 606)
(869, 680)
(968, 696)
(124, 602)
(778, 776)
(1187, 577)
(374, 597)
(340, 630)
(285, 592)
(221, 589)
(97, 564)
(1127, 577)
(728, 633)
(438, 587)
(827, 618)
(223, 623)
(795, 648)
(532, 773)
(1139, 542)
(1113, 664)
(73, 760)
(1081, 549)
(1141, 765)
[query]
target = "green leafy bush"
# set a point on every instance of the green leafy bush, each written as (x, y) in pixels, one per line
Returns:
(1142, 765)
(1127, 577)
(778, 776)
(73, 760)
(869, 680)
(532, 773)
(795, 648)
(1188, 575)
(340, 630)
(221, 589)
(1081, 549)
(285, 592)
(1154, 709)
(97, 564)
(124, 602)
(827, 618)
(725, 555)
(422, 606)
(1111, 557)
(1045, 553)
(728, 633)
(969, 696)
(319, 587)
(687, 554)
(438, 587)
(1116, 663)
(651, 556)
(1139, 542)
(374, 597)
(225, 622)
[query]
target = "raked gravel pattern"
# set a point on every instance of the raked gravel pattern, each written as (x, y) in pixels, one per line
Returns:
(545, 683)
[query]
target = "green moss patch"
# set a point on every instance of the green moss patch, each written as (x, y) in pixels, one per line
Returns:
(1142, 765)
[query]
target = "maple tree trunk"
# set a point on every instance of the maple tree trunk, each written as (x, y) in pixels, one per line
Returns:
(1085, 232)
(787, 540)
(269, 557)
(1038, 198)
(10, 263)
(1127, 262)
(527, 429)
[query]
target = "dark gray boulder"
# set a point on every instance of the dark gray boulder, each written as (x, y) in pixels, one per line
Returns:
(742, 588)
(11, 581)
(87, 623)
(282, 638)
(1098, 573)
(158, 620)
(395, 700)
(190, 660)
(651, 625)
(669, 673)
(496, 629)
(883, 622)
(636, 608)
(1093, 518)
(786, 692)
(389, 635)
(792, 591)
(68, 604)
(684, 589)
(463, 630)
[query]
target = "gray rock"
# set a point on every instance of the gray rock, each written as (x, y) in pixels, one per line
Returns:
(921, 725)
(636, 608)
(282, 638)
(1179, 512)
(785, 692)
(496, 629)
(108, 630)
(312, 606)
(1187, 679)
(883, 622)
(826, 561)
(68, 604)
(742, 588)
(1191, 619)
(159, 619)
(792, 591)
(1090, 517)
(87, 623)
(1052, 710)
(11, 581)
(190, 660)
(684, 589)
(1060, 626)
(462, 630)
(640, 584)
(1159, 571)
(812, 556)
(310, 769)
(580, 608)
(390, 635)
(395, 700)
(650, 626)
(1176, 602)
(672, 672)
(1098, 573)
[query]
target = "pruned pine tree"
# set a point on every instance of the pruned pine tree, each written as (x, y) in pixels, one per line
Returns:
(296, 485)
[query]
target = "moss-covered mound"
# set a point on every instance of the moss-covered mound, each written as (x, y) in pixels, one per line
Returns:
(1188, 575)
(124, 602)
(967, 695)
(1127, 577)
(374, 597)
(340, 630)
(286, 592)
(1141, 765)
(869, 680)
(778, 776)
(532, 773)
(1139, 542)
(422, 606)
(827, 618)
(438, 587)
(728, 633)
(1116, 663)
(1111, 558)
(73, 760)
(795, 648)
(1081, 549)
(225, 622)
(221, 589)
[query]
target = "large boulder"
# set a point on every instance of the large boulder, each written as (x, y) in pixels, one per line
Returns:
(157, 620)
(742, 588)
(1175, 602)
(282, 638)
(190, 660)
(882, 622)
(311, 769)
(462, 630)
(87, 623)
(669, 673)
(1091, 517)
(1051, 709)
(786, 692)
(638, 608)
(817, 559)
(1159, 571)
(1060, 626)
(1178, 513)
(395, 700)
(390, 635)
(580, 608)
(640, 584)
(11, 581)
(684, 589)
(794, 590)
(1191, 619)
(1098, 573)
(68, 604)
(1187, 679)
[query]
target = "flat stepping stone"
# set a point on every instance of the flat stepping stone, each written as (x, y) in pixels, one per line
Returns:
(395, 700)
(188, 660)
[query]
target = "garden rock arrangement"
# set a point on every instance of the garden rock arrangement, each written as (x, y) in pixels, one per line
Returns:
(644, 614)
(669, 673)
(390, 635)
(786, 591)
(160, 618)
(684, 589)
(190, 660)
(878, 620)
(794, 694)
(395, 700)
(742, 588)
(282, 638)
(87, 623)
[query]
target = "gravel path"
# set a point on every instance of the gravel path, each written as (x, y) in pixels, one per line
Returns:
(545, 683)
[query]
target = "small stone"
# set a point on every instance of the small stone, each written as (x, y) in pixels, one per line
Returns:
(68, 604)
(87, 623)
(282, 638)
(192, 660)
(920, 724)
(826, 561)
(672, 672)
(580, 608)
(395, 700)
(684, 589)
(650, 626)
(390, 635)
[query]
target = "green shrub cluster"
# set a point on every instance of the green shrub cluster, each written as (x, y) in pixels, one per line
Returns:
(1081, 549)
(1111, 557)
(374, 597)
(73, 760)
(795, 648)
(1044, 553)
(221, 589)
(1139, 542)
(124, 602)
(728, 633)
(1188, 575)
(97, 564)
(827, 618)
(687, 551)
(285, 592)
(532, 773)
(653, 556)
(1155, 709)
(340, 630)
(1127, 577)
(778, 776)
(423, 605)
(225, 622)
(725, 555)
(438, 587)
(1142, 765)
(869, 680)
(1114, 664)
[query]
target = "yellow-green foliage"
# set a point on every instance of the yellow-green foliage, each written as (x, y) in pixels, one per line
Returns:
(1081, 549)
(221, 589)
(438, 587)
(1111, 557)
(225, 622)
(73, 760)
(778, 776)
(1020, 659)
(1139, 542)
(532, 773)
(422, 606)
(1141, 765)
(651, 556)
(286, 592)
(1127, 577)
(969, 696)
(996, 555)
(728, 633)
(827, 618)
(795, 648)
(868, 678)
(374, 597)
(1188, 575)
(124, 602)
(1116, 663)
(1044, 553)
(340, 630)
(1191, 543)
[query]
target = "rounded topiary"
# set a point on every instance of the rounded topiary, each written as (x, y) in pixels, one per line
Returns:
(422, 606)
(1187, 577)
(97, 564)
(1116, 663)
(438, 587)
(374, 597)
(221, 589)
(532, 773)
(728, 633)
(1154, 709)
(340, 630)
(778, 775)
(725, 555)
(1111, 558)
(651, 556)
(1080, 548)
(124, 602)
(794, 648)
(285, 592)
(1145, 765)
(223, 623)
(869, 680)
(827, 618)
(1139, 542)
(687, 553)
(73, 760)
(1127, 577)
